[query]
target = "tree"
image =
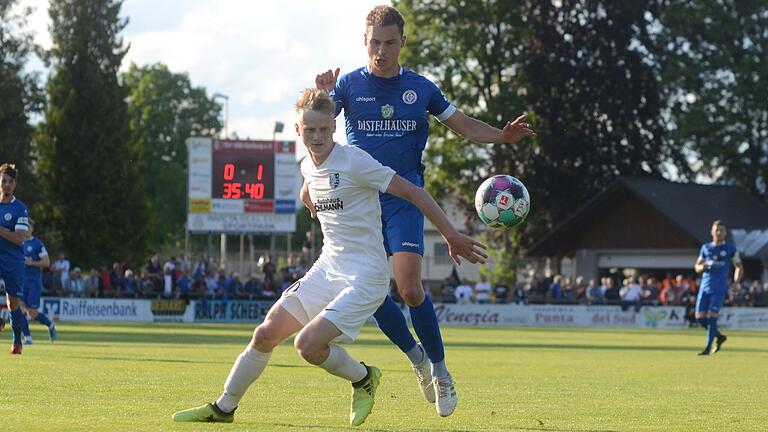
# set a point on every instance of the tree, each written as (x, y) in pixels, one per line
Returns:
(585, 72)
(164, 110)
(94, 196)
(20, 95)
(717, 80)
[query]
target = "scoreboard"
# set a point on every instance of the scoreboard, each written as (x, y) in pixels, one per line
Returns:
(242, 186)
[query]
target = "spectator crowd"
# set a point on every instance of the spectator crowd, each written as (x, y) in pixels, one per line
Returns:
(175, 278)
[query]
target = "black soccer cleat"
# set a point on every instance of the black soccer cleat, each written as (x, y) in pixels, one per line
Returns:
(721, 338)
(705, 352)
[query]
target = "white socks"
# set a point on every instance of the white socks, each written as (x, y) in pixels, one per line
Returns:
(339, 363)
(416, 354)
(247, 368)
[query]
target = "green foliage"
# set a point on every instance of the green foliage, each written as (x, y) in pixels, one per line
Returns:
(94, 194)
(20, 96)
(717, 82)
(584, 72)
(164, 110)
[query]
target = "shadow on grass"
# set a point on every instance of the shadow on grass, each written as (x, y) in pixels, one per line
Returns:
(432, 429)
(160, 360)
(74, 335)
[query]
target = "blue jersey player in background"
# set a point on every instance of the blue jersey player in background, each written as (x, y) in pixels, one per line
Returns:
(13, 231)
(714, 263)
(386, 107)
(35, 260)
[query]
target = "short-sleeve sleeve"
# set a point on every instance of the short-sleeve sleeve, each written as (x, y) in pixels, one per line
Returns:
(438, 104)
(367, 171)
(22, 221)
(701, 252)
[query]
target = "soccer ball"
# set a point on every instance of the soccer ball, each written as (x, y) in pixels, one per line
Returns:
(502, 201)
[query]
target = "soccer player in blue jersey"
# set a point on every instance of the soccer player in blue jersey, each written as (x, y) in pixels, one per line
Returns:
(386, 107)
(13, 232)
(714, 263)
(35, 260)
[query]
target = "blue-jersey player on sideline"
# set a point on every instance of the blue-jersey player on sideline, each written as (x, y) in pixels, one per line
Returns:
(714, 263)
(13, 231)
(35, 260)
(386, 107)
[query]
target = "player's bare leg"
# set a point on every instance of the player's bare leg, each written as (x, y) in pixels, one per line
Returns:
(278, 325)
(407, 271)
(314, 344)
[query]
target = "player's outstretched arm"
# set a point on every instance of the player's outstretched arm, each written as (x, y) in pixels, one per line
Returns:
(458, 243)
(304, 197)
(483, 133)
(326, 81)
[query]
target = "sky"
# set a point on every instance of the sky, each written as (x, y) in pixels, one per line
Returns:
(258, 53)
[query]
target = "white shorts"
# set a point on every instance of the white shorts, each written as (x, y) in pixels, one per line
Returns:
(346, 303)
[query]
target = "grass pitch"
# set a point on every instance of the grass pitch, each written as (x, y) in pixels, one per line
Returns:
(121, 377)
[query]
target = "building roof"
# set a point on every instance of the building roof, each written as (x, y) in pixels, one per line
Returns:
(690, 207)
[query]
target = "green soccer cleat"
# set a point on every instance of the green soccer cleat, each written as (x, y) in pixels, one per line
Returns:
(362, 396)
(208, 413)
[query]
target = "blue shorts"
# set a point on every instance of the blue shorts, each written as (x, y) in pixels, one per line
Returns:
(32, 292)
(402, 226)
(13, 276)
(709, 302)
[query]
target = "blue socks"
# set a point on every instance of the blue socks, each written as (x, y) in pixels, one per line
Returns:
(425, 323)
(704, 321)
(25, 325)
(712, 332)
(43, 319)
(392, 323)
(17, 320)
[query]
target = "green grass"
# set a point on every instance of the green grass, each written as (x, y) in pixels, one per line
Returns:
(119, 377)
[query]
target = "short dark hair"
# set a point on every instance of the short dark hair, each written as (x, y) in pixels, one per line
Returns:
(384, 15)
(719, 223)
(9, 170)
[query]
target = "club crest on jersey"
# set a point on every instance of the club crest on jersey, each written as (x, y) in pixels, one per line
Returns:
(387, 111)
(29, 248)
(409, 97)
(333, 180)
(7, 216)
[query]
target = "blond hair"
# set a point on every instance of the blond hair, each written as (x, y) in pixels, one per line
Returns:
(315, 100)
(383, 16)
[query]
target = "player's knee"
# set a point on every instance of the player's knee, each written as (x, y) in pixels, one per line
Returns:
(307, 349)
(32, 313)
(412, 295)
(264, 339)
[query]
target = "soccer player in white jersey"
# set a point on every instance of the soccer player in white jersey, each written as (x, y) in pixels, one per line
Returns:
(385, 108)
(349, 280)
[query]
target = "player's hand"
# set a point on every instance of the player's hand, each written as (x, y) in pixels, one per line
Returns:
(304, 197)
(467, 247)
(27, 261)
(326, 81)
(517, 130)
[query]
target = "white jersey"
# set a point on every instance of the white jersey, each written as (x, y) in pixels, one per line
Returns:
(345, 191)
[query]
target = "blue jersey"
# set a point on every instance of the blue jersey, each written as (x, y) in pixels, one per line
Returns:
(387, 117)
(14, 217)
(717, 265)
(34, 249)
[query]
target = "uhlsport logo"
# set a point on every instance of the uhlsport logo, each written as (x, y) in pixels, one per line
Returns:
(409, 97)
(387, 111)
(52, 308)
(334, 180)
